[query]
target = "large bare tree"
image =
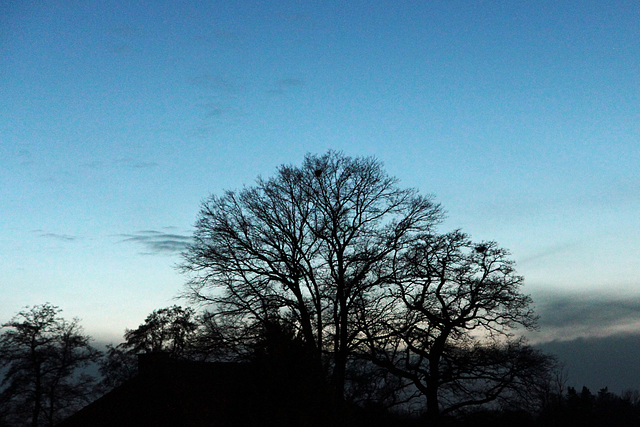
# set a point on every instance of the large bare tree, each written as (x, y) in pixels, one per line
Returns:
(309, 245)
(447, 325)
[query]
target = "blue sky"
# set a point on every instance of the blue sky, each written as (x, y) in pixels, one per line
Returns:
(118, 118)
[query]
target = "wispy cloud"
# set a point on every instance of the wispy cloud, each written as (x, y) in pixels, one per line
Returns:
(545, 252)
(121, 39)
(125, 162)
(216, 109)
(121, 48)
(281, 86)
(158, 242)
(56, 236)
(215, 83)
(22, 155)
(219, 97)
(212, 109)
(135, 164)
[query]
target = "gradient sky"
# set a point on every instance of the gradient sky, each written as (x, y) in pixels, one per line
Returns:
(118, 119)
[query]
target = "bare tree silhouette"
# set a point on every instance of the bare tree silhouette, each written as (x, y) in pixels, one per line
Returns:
(42, 354)
(306, 245)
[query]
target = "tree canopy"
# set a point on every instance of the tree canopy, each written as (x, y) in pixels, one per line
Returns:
(308, 245)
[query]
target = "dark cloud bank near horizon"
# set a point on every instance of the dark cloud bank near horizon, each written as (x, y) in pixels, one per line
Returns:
(595, 311)
(599, 362)
(596, 337)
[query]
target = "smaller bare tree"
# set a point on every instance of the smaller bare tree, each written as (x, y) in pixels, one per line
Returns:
(170, 330)
(175, 330)
(446, 324)
(167, 329)
(42, 355)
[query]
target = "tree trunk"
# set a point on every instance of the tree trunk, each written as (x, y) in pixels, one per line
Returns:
(340, 356)
(433, 382)
(37, 401)
(433, 409)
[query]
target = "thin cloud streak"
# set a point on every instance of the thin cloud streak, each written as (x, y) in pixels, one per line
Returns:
(135, 164)
(548, 251)
(56, 236)
(125, 162)
(215, 83)
(283, 85)
(22, 155)
(157, 242)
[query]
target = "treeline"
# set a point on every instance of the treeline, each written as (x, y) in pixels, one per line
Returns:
(567, 407)
(45, 359)
(586, 409)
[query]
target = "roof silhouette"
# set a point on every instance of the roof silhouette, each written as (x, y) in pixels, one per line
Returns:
(169, 392)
